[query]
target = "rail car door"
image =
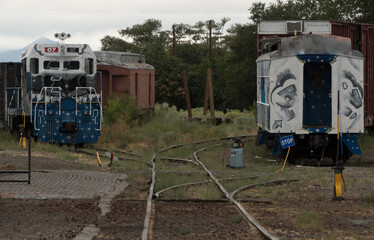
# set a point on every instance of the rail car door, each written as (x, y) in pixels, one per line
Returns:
(317, 97)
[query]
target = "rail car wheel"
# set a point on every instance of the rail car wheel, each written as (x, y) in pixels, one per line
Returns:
(269, 141)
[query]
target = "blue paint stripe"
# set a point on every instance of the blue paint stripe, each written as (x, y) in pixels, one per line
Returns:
(262, 83)
(304, 58)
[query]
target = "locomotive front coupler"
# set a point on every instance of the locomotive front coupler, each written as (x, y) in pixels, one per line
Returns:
(339, 181)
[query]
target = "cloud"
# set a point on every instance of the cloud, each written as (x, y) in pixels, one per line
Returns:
(86, 20)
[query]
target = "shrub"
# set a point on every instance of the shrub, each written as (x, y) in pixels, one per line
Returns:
(121, 108)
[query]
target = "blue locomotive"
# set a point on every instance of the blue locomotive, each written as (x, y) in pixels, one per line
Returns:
(58, 95)
(310, 86)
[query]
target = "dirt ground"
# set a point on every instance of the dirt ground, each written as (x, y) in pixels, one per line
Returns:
(45, 219)
(65, 218)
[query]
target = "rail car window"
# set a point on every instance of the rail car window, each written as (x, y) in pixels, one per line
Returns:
(263, 80)
(316, 74)
(34, 65)
(71, 65)
(51, 65)
(88, 65)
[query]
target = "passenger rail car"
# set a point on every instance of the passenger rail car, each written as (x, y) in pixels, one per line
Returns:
(58, 95)
(311, 86)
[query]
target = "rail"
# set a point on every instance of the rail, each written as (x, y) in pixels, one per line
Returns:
(90, 98)
(149, 201)
(241, 208)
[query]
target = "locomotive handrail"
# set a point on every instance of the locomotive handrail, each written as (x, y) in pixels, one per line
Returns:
(90, 101)
(45, 90)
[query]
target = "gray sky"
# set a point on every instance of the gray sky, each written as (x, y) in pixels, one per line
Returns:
(23, 21)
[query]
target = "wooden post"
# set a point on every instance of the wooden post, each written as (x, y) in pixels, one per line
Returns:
(187, 94)
(211, 98)
(206, 96)
(208, 86)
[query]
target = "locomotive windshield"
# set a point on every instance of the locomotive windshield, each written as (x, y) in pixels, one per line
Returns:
(51, 65)
(71, 65)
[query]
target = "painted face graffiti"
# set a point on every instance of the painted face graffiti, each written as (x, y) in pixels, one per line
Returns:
(352, 96)
(284, 96)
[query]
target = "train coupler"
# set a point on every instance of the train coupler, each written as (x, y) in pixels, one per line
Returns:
(339, 181)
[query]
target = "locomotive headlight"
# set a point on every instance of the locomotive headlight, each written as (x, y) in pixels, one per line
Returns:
(85, 113)
(50, 112)
(62, 36)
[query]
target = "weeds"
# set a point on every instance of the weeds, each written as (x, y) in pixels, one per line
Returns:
(185, 231)
(366, 141)
(308, 219)
(125, 128)
(236, 219)
(367, 198)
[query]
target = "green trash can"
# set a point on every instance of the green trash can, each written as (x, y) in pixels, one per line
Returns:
(236, 153)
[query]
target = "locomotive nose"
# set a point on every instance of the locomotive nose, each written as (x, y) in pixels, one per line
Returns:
(52, 81)
(67, 83)
(71, 82)
(68, 122)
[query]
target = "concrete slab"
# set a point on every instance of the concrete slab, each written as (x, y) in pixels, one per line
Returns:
(63, 184)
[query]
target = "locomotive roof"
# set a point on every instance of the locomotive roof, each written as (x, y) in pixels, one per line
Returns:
(313, 44)
(56, 49)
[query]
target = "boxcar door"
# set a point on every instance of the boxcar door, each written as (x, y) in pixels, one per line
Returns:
(317, 97)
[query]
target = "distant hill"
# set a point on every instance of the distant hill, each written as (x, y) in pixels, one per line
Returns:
(15, 55)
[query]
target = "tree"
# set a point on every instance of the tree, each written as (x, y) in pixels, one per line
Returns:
(147, 33)
(366, 14)
(234, 51)
(236, 70)
(344, 10)
(116, 44)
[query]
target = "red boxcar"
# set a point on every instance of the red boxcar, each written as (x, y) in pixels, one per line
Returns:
(127, 74)
(361, 35)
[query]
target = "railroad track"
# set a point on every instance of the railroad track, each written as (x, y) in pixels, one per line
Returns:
(229, 196)
(196, 160)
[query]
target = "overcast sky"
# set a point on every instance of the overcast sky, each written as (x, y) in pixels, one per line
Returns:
(24, 21)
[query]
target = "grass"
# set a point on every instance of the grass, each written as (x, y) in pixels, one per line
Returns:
(236, 219)
(184, 231)
(164, 127)
(168, 179)
(308, 219)
(8, 140)
(367, 198)
(366, 141)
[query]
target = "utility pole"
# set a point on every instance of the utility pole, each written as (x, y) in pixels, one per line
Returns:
(173, 39)
(209, 83)
(210, 41)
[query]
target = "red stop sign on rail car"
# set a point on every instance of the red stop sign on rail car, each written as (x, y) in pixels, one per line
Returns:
(51, 49)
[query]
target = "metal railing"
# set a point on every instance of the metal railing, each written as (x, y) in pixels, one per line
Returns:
(46, 94)
(48, 99)
(90, 96)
